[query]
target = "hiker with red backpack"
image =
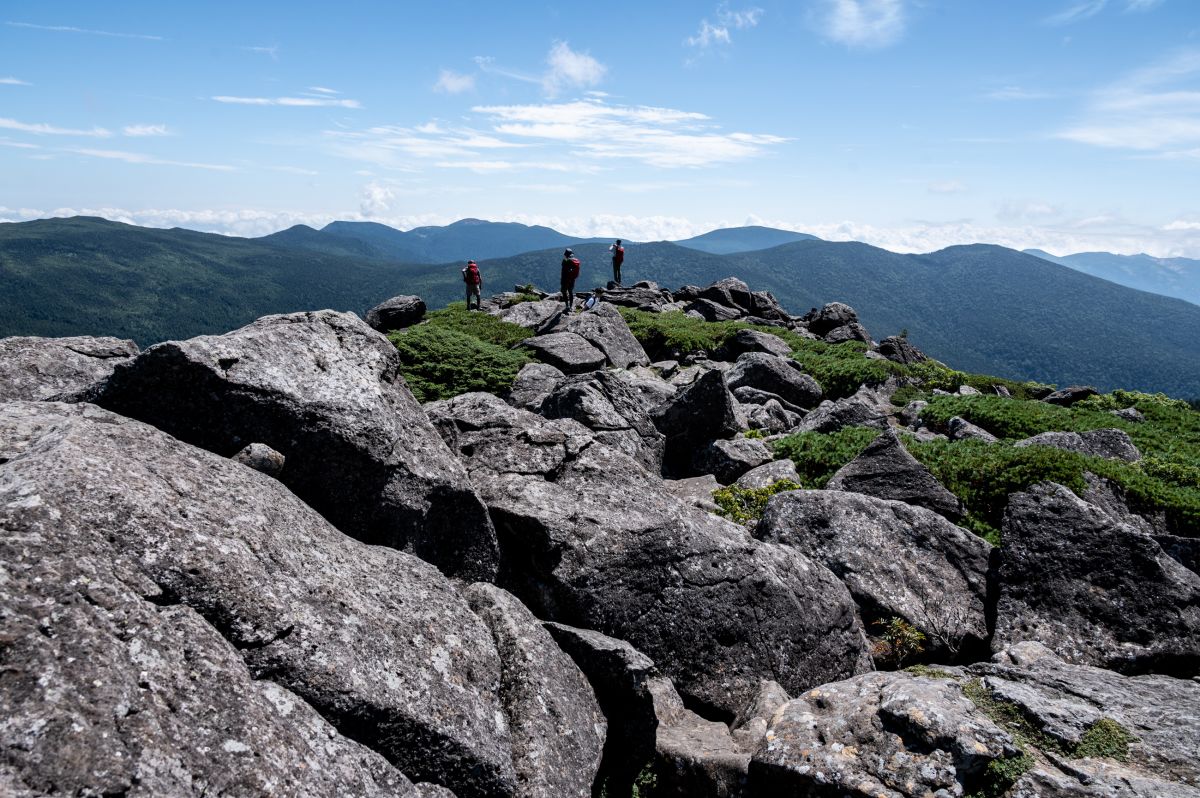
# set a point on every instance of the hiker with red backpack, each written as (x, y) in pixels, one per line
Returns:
(618, 257)
(570, 272)
(474, 282)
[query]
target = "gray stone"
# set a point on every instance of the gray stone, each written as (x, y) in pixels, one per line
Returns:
(556, 726)
(567, 351)
(695, 756)
(596, 541)
(960, 429)
(642, 297)
(897, 560)
(730, 292)
(727, 460)
(532, 315)
(651, 389)
(696, 491)
(261, 458)
(879, 734)
(1070, 395)
(1111, 444)
(755, 341)
(704, 411)
(396, 313)
(1129, 414)
(910, 416)
(1095, 779)
(777, 375)
(968, 390)
(753, 396)
(533, 383)
(764, 476)
(611, 408)
(830, 317)
(45, 369)
(129, 555)
(325, 391)
(708, 310)
(859, 410)
(764, 305)
(770, 417)
(1092, 589)
(897, 349)
(604, 328)
(885, 469)
(848, 332)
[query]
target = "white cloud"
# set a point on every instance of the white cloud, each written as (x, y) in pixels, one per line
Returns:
(323, 90)
(451, 82)
(1155, 110)
(567, 69)
(146, 130)
(11, 81)
(1076, 12)
(1142, 5)
(376, 198)
(718, 33)
(21, 145)
(271, 50)
(299, 102)
(864, 23)
(1027, 210)
(946, 187)
(42, 129)
(70, 29)
(141, 158)
(1182, 224)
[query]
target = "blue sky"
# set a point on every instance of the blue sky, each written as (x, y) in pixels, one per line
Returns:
(911, 124)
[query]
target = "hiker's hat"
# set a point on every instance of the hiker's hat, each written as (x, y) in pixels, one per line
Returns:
(568, 254)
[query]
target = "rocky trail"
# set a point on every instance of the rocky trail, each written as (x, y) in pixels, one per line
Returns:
(254, 564)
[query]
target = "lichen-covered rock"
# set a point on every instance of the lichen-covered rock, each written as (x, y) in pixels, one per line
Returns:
(261, 458)
(567, 351)
(897, 349)
(886, 470)
(118, 539)
(556, 727)
(396, 313)
(1092, 589)
(1111, 444)
(777, 375)
(728, 460)
(958, 428)
(604, 328)
(591, 539)
(767, 475)
(533, 383)
(612, 408)
(879, 734)
(896, 559)
(704, 411)
(42, 369)
(860, 410)
(532, 315)
(695, 756)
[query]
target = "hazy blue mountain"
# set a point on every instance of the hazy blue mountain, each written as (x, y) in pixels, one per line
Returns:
(730, 240)
(1177, 277)
(978, 308)
(462, 240)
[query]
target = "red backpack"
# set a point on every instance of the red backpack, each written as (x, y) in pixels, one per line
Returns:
(574, 268)
(471, 274)
(619, 255)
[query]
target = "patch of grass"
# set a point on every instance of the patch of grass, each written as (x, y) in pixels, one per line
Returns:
(1001, 774)
(928, 672)
(477, 324)
(662, 334)
(818, 455)
(748, 504)
(1105, 738)
(754, 434)
(935, 375)
(440, 361)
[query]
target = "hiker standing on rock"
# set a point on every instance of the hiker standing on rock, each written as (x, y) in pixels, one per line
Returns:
(570, 271)
(474, 282)
(618, 257)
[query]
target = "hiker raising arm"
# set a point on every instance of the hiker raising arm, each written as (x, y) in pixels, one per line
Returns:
(618, 257)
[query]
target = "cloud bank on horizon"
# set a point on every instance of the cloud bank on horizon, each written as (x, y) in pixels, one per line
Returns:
(1071, 125)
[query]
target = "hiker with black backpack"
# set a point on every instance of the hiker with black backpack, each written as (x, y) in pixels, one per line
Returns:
(618, 257)
(474, 283)
(570, 271)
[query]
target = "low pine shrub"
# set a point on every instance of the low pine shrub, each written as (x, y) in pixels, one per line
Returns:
(818, 455)
(440, 362)
(743, 505)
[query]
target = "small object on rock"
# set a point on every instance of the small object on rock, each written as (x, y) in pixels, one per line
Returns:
(396, 313)
(961, 429)
(727, 460)
(1111, 444)
(897, 349)
(1068, 396)
(261, 458)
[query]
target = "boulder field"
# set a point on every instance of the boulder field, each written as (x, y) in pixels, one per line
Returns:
(253, 564)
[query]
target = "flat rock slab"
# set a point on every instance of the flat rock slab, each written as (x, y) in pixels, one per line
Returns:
(40, 369)
(896, 559)
(325, 391)
(134, 565)
(604, 328)
(1092, 589)
(566, 351)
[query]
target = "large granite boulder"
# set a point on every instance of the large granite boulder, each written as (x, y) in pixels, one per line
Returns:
(848, 332)
(643, 295)
(778, 375)
(770, 416)
(41, 369)
(566, 351)
(879, 734)
(897, 349)
(860, 410)
(151, 594)
(829, 318)
(325, 391)
(1092, 589)
(533, 315)
(604, 328)
(591, 539)
(396, 313)
(1111, 444)
(703, 412)
(959, 429)
(556, 726)
(764, 476)
(728, 460)
(610, 407)
(708, 310)
(730, 292)
(533, 383)
(1070, 395)
(1160, 715)
(755, 341)
(897, 560)
(885, 469)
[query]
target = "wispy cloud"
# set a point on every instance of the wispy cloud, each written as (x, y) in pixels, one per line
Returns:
(1155, 109)
(1077, 12)
(711, 34)
(72, 29)
(451, 82)
(946, 187)
(1142, 5)
(146, 130)
(43, 129)
(142, 158)
(864, 23)
(568, 69)
(268, 50)
(300, 102)
(323, 90)
(11, 81)
(21, 145)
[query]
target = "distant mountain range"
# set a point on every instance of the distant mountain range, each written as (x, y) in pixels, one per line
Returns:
(1177, 277)
(978, 308)
(742, 239)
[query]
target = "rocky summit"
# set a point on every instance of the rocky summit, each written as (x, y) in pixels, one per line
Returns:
(680, 543)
